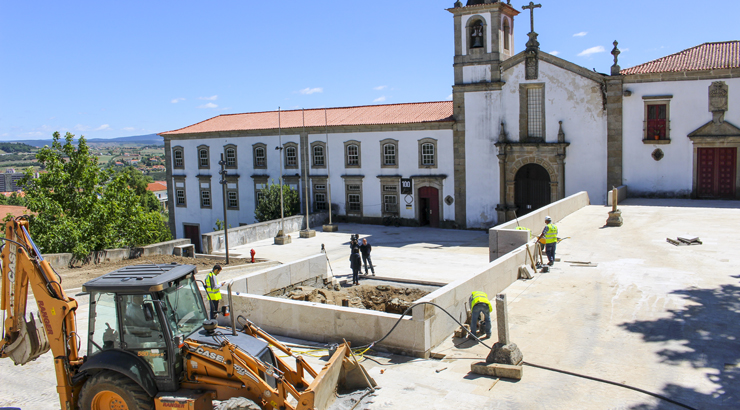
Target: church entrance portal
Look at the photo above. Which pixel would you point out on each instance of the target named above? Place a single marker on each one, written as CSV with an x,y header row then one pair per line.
x,y
716,172
531,188
429,206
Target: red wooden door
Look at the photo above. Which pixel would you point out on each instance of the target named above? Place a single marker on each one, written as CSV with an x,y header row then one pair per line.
x,y
429,197
717,171
192,232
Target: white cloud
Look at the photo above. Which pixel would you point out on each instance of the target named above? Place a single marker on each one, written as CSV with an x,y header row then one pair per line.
x,y
380,87
4,135
209,105
177,100
379,99
449,97
128,128
80,127
102,127
625,50
212,98
554,52
309,91
581,34
592,50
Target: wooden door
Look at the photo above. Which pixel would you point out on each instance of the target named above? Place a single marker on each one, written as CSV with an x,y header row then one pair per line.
x,y
429,209
716,172
192,232
531,188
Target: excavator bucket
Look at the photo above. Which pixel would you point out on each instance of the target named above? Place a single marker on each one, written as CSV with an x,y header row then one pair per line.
x,y
340,371
31,343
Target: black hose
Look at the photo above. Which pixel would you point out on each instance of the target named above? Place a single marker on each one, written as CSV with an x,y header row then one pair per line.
x,y
596,379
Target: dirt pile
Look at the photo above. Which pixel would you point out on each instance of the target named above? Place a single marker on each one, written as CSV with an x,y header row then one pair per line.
x,y
383,298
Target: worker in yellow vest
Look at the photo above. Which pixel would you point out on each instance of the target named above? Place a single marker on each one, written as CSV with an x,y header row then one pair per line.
x,y
213,289
479,303
550,233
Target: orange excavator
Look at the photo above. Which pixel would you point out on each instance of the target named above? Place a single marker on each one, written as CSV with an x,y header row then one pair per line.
x,y
149,342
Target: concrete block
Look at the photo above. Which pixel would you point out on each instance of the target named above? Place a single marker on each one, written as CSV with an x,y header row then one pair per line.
x,y
525,272
498,370
330,228
282,240
307,233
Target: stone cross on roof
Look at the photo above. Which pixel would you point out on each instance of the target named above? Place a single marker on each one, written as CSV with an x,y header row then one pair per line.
x,y
531,8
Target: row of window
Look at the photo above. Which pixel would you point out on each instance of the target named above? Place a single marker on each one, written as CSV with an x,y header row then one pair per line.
x,y
353,190
352,155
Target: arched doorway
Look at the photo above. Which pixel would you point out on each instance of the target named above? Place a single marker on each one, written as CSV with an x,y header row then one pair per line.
x,y
429,206
531,188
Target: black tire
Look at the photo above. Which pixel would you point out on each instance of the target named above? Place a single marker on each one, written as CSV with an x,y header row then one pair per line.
x,y
131,393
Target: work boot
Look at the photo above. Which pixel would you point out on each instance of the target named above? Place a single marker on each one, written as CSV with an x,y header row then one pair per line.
x,y
551,263
373,272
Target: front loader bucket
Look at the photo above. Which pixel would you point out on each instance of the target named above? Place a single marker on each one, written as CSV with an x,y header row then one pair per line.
x,y
31,343
340,371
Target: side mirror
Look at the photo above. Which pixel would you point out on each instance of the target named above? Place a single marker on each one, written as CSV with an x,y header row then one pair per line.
x,y
148,312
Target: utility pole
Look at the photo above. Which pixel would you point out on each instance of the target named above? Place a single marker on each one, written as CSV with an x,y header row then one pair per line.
x,y
306,233
223,173
330,227
281,238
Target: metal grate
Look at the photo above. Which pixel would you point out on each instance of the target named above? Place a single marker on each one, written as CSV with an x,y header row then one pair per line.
x,y
534,113
320,201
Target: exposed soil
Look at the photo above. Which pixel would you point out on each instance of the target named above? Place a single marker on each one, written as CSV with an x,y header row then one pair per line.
x,y
74,277
383,298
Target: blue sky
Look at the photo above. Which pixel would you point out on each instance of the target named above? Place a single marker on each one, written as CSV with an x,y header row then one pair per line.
x,y
107,69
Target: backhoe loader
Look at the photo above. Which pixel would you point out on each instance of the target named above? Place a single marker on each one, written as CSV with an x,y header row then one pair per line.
x,y
149,342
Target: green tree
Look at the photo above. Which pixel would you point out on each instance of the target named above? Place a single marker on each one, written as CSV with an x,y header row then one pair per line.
x,y
15,199
268,207
139,183
81,208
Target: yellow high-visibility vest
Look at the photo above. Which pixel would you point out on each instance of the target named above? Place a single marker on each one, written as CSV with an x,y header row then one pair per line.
x,y
552,234
481,297
213,293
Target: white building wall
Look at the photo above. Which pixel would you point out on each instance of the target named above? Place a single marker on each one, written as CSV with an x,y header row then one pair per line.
x,y
578,102
688,110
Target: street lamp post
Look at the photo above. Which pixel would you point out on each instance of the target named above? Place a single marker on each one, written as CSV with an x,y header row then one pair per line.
x,y
281,238
223,182
330,227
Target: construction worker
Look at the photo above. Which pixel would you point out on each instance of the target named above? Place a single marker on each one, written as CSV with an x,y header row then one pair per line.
x,y
479,303
550,233
213,289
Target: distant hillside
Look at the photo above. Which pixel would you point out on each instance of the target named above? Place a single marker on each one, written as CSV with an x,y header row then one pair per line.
x,y
150,139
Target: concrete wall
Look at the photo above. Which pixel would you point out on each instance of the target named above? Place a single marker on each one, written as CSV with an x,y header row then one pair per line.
x,y
267,280
672,176
504,238
115,255
214,241
621,195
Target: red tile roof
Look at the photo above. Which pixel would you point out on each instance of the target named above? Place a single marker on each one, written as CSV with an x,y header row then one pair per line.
x,y
411,113
156,186
14,210
708,56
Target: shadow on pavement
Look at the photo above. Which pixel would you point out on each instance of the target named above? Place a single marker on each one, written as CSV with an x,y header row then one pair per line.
x,y
706,335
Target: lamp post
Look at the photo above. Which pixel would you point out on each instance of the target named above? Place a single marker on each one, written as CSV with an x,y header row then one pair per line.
x,y
223,173
330,227
281,238
308,232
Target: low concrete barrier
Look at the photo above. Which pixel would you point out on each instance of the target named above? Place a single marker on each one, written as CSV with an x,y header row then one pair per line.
x,y
116,255
214,241
504,238
621,195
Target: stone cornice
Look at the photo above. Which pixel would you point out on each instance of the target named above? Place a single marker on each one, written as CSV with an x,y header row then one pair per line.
x,y
344,129
556,61
683,76
465,10
474,87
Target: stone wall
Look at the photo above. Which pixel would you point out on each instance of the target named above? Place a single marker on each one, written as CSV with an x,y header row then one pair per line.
x,y
116,255
214,241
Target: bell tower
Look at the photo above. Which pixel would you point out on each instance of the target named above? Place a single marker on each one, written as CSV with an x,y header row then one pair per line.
x,y
484,37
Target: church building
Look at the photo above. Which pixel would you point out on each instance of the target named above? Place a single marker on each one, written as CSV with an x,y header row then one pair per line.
x,y
522,130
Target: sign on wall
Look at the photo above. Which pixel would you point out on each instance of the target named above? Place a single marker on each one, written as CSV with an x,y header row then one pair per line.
x,y
406,186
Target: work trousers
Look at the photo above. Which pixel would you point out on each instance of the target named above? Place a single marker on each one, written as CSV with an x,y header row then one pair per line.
x,y
477,310
214,307
356,276
550,251
367,261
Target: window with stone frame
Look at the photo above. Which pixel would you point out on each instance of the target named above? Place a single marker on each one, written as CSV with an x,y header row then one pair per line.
x,y
657,123
203,157
178,158
318,154
352,154
506,32
389,153
180,192
205,192
260,155
428,153
232,193
230,156
260,183
389,193
291,155
353,189
532,112
319,197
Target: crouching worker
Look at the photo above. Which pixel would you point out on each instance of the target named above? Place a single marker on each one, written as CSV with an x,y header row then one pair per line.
x,y
479,303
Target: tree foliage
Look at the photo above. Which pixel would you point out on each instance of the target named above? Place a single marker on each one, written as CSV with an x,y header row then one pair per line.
x,y
81,208
268,207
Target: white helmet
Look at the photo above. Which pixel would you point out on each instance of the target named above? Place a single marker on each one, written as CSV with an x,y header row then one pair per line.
x,y
547,218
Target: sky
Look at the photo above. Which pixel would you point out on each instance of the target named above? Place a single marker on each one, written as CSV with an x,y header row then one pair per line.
x,y
106,69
